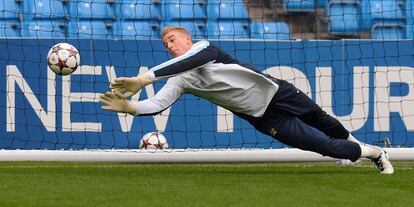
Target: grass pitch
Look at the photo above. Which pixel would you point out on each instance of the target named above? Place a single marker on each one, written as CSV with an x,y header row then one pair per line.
x,y
276,184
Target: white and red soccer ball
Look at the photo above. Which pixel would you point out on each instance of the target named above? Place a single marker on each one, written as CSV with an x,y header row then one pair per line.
x,y
63,59
153,140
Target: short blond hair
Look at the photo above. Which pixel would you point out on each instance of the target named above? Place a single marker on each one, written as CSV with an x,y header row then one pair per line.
x,y
168,29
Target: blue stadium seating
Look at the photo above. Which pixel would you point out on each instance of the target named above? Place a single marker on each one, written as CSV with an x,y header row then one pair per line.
x,y
140,9
388,31
227,29
183,9
45,9
216,19
226,9
343,17
269,30
9,9
93,9
137,30
44,28
299,5
10,28
197,29
98,29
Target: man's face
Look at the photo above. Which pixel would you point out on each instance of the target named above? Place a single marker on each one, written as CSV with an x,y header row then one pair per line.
x,y
177,43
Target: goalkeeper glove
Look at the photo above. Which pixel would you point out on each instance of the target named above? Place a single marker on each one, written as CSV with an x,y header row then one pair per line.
x,y
127,87
115,103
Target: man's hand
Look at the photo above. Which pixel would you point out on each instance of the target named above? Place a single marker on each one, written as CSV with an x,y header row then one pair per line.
x,y
115,103
127,87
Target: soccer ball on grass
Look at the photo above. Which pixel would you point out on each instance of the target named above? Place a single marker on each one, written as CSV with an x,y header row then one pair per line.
x,y
153,140
63,59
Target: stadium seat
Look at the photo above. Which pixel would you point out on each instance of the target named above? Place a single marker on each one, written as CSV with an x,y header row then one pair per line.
x,y
90,29
197,29
140,9
137,30
183,9
343,17
44,28
373,10
269,30
9,9
226,9
227,29
45,9
386,9
93,9
299,5
387,19
10,28
388,31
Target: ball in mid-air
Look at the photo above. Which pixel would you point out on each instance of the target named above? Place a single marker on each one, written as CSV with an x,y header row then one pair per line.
x,y
63,59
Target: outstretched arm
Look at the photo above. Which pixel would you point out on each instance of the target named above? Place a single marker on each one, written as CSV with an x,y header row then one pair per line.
x,y
165,97
154,105
200,54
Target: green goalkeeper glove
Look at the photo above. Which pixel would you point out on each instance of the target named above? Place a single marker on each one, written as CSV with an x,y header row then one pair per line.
x,y
115,103
127,87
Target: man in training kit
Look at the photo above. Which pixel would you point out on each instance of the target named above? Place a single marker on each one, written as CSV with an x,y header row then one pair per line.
x,y
273,106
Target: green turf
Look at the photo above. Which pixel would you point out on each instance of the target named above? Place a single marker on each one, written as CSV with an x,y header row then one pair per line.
x,y
108,184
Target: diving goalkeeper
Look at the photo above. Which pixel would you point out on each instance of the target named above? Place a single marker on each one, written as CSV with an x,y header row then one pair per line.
x,y
273,106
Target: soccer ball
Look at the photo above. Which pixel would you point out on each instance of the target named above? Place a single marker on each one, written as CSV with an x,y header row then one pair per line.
x,y
63,59
153,140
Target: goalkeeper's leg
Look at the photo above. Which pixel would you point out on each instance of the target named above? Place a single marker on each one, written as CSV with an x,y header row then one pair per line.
x,y
327,135
325,123
333,128
291,130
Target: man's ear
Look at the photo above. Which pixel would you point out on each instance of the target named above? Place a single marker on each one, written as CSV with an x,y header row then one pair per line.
x,y
189,40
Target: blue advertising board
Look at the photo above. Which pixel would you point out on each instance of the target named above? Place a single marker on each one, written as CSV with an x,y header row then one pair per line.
x,y
367,84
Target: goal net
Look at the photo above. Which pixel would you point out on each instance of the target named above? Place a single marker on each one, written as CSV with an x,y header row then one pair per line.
x,y
354,58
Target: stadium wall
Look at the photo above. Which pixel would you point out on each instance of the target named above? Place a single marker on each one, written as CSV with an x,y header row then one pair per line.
x,y
367,84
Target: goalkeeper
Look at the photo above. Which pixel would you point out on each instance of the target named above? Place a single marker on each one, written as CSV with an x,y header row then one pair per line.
x,y
273,106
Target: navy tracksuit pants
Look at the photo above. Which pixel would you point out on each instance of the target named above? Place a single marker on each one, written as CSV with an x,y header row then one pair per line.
x,y
294,119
